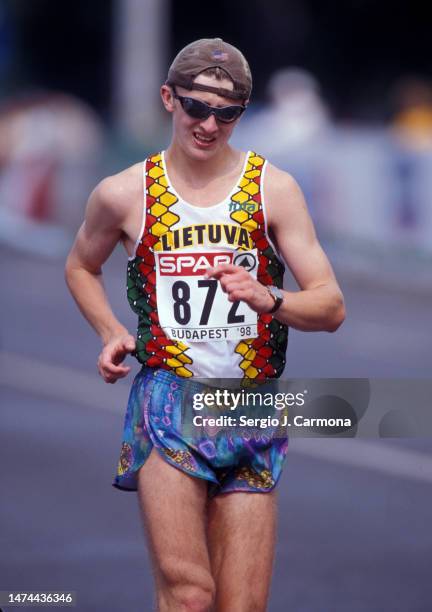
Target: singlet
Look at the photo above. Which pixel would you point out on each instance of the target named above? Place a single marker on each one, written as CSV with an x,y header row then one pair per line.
x,y
185,322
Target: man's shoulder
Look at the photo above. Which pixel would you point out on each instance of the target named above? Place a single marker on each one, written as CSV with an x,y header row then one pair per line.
x,y
279,183
121,186
117,193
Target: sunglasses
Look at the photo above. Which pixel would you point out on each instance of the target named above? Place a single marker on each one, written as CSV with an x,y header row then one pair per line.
x,y
200,110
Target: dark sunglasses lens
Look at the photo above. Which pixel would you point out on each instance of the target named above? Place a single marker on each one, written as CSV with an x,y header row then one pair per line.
x,y
229,113
195,108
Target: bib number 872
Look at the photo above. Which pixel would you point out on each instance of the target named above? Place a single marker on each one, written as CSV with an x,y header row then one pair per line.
x,y
182,309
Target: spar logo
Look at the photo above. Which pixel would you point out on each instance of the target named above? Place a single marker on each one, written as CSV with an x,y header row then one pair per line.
x,y
190,264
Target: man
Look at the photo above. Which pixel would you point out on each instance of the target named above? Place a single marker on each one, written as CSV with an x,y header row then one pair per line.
x,y
204,276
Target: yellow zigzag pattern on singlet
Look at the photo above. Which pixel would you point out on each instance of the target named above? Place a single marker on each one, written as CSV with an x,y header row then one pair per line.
x,y
160,209
248,188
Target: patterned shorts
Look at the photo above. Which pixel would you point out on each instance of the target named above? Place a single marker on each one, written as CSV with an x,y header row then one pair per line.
x,y
228,462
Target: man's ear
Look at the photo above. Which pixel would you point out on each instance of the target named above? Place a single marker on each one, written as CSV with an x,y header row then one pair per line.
x,y
167,98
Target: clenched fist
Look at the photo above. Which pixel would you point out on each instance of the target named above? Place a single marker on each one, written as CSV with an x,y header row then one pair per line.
x,y
112,356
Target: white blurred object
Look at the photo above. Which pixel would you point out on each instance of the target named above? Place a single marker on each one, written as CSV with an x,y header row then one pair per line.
x,y
52,124
297,110
48,148
295,118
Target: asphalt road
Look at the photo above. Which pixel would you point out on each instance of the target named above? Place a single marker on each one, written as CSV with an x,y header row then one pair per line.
x,y
353,535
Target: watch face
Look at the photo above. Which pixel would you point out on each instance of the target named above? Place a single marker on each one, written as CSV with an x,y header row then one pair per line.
x,y
277,296
276,292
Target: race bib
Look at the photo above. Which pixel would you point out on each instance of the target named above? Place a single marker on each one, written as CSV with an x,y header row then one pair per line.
x,y
192,308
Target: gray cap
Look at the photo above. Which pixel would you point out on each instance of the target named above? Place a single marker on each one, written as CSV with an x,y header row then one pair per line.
x,y
211,53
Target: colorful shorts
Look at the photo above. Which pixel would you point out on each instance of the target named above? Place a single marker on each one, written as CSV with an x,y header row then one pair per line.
x,y
229,462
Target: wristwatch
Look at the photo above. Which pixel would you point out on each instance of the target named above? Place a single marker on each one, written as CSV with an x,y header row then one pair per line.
x,y
277,295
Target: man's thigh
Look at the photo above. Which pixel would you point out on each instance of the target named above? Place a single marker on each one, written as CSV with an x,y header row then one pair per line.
x,y
241,539
173,508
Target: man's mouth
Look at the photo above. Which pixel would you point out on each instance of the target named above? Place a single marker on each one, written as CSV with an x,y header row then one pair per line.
x,y
202,139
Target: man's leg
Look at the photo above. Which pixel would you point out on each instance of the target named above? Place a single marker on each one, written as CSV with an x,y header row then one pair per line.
x,y
173,505
241,539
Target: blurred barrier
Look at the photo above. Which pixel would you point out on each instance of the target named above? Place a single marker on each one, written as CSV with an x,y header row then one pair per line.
x,y
42,203
366,191
360,185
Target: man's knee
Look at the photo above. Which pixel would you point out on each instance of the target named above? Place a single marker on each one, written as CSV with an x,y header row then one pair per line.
x,y
187,598
189,586
193,598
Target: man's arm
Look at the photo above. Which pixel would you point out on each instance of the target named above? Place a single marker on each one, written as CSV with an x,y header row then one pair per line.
x,y
319,305
106,215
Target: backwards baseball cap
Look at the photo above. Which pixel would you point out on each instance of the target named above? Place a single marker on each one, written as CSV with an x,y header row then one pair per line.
x,y
211,53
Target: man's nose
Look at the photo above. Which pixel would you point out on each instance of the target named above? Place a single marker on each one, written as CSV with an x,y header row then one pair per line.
x,y
210,124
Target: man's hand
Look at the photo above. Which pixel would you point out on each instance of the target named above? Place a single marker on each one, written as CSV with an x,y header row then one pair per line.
x,y
240,285
112,355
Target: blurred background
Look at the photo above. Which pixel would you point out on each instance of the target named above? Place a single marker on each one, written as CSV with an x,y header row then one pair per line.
x,y
342,100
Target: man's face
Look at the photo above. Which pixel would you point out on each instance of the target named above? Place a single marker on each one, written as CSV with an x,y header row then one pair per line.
x,y
200,139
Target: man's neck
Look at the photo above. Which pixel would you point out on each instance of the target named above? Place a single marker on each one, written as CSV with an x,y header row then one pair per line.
x,y
202,171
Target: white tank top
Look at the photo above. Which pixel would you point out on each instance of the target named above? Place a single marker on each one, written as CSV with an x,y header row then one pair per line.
x,y
186,323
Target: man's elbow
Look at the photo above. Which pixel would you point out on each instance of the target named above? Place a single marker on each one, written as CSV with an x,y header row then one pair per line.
x,y
337,315
73,271
68,270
